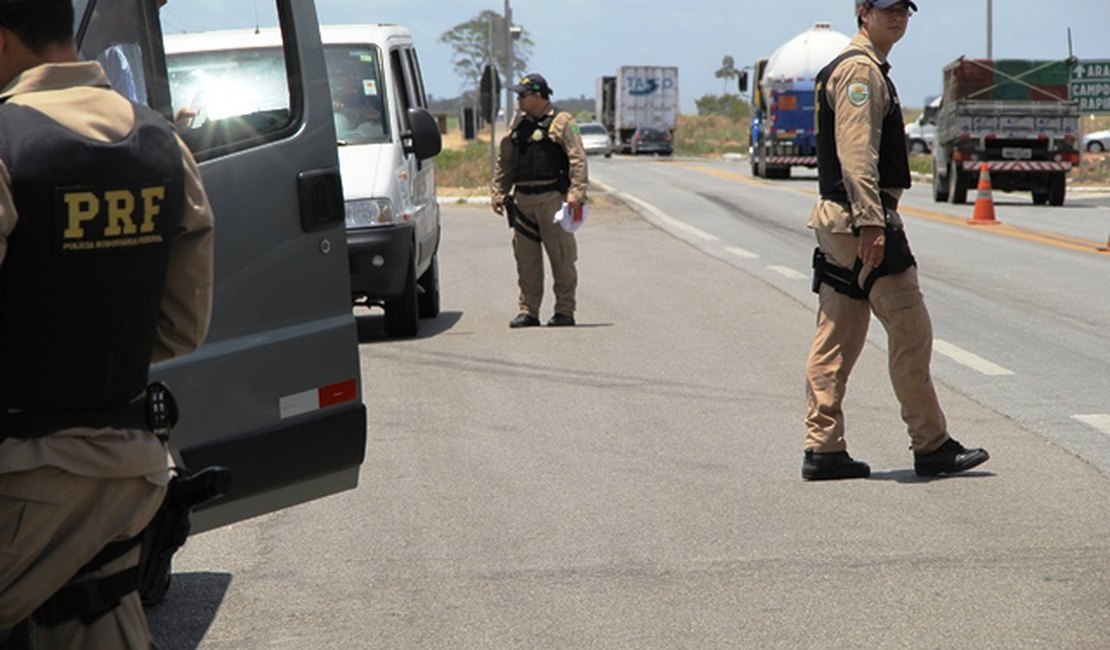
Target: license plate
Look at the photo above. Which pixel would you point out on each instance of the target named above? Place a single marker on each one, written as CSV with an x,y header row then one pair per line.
x,y
1017,153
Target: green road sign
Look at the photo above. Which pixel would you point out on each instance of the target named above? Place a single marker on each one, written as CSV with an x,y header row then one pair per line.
x,y
1090,86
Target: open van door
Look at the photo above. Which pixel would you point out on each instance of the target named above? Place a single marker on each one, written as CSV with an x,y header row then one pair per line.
x,y
274,394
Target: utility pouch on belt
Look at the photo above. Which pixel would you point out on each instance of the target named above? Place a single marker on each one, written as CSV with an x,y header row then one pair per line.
x,y
161,410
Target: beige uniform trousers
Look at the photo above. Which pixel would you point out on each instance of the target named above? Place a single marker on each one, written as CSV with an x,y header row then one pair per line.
x,y
562,251
842,324
52,523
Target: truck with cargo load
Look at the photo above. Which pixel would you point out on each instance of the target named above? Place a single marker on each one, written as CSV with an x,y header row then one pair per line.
x,y
1012,115
638,97
783,101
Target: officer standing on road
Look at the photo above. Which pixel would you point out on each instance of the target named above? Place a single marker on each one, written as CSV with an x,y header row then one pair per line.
x,y
541,165
105,267
863,261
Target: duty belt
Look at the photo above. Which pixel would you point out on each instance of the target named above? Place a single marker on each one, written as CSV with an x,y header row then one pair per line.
x,y
888,201
155,411
35,424
553,186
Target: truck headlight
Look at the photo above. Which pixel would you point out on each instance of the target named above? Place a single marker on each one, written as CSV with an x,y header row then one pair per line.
x,y
366,213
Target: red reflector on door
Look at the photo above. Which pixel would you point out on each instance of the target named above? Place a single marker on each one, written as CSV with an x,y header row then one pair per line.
x,y
344,391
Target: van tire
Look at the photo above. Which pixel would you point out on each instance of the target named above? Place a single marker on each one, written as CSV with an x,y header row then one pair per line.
x,y
402,317
429,290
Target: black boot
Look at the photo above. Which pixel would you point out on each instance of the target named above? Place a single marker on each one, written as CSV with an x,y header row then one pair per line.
x,y
818,466
949,458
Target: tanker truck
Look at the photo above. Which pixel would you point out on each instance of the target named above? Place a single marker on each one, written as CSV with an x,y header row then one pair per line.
x,y
783,102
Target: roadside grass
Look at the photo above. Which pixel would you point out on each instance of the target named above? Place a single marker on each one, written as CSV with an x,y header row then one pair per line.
x,y
463,168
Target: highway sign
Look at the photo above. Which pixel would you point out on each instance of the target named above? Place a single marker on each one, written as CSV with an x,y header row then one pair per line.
x,y
1090,86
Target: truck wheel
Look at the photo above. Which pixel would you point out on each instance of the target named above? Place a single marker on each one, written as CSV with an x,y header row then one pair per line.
x,y
755,169
402,317
957,186
940,186
1057,189
429,290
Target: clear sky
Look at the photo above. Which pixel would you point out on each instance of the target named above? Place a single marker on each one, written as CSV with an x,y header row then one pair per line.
x,y
577,41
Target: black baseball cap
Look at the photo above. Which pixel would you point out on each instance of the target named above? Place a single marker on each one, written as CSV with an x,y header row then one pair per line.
x,y
531,83
883,4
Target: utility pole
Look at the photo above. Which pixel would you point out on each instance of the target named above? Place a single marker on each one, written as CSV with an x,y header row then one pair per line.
x,y
510,79
990,53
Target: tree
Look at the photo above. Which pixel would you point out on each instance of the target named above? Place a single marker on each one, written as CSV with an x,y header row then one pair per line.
x,y
731,106
470,42
727,71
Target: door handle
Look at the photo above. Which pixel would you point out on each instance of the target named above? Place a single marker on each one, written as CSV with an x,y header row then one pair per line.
x,y
321,197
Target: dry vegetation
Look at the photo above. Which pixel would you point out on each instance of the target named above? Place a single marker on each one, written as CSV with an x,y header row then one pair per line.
x,y
463,169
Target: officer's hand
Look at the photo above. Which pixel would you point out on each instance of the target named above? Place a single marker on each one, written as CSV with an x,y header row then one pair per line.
x,y
872,245
498,207
573,205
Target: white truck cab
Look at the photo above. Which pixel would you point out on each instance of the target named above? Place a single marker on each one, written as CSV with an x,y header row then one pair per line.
x,y
385,137
921,132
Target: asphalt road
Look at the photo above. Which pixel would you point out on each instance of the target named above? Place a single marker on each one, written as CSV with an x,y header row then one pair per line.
x,y
633,482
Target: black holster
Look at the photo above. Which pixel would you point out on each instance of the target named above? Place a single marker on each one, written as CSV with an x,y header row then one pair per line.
x,y
897,257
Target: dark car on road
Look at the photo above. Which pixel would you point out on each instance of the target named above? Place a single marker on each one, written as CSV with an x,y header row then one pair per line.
x,y
648,140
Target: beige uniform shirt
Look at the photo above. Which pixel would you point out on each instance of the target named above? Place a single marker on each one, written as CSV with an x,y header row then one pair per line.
x,y
563,131
77,96
858,93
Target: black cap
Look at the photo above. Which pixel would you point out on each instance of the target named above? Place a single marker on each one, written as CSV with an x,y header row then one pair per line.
x,y
531,83
883,4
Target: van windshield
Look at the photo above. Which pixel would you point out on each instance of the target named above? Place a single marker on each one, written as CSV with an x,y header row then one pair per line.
x,y
357,93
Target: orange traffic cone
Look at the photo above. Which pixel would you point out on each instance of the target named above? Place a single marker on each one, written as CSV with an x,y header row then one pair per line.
x,y
984,202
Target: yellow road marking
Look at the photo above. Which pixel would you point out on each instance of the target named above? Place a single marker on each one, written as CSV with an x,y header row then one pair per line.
x,y
1006,230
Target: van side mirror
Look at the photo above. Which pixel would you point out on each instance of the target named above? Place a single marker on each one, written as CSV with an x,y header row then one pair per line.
x,y
423,139
742,81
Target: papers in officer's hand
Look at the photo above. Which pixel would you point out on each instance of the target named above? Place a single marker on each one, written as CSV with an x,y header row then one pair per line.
x,y
571,220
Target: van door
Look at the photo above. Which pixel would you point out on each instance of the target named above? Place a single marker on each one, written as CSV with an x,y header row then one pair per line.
x,y
421,194
274,394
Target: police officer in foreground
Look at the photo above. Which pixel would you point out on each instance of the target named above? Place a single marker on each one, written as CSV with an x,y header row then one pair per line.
x,y
105,267
541,165
863,262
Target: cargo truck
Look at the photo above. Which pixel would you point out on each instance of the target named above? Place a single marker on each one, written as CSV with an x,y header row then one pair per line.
x,y
638,97
1015,116
782,133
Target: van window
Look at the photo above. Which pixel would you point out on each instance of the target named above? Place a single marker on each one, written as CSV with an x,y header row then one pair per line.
x,y
358,95
417,79
232,95
404,95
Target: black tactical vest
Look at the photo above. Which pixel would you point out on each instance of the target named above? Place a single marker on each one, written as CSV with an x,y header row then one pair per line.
x,y
894,162
82,281
538,157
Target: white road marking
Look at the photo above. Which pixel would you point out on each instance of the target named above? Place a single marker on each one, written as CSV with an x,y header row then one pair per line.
x,y
1100,421
666,218
740,252
788,272
971,360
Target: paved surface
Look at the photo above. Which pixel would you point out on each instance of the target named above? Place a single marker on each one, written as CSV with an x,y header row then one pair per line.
x,y
634,483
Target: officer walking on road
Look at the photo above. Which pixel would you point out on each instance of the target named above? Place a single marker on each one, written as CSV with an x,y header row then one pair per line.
x,y
105,267
863,262
541,165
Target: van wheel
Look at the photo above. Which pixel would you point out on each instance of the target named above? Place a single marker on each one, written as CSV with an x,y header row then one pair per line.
x,y
402,314
429,290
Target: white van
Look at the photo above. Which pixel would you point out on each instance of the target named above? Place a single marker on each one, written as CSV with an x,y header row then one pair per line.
x,y
386,140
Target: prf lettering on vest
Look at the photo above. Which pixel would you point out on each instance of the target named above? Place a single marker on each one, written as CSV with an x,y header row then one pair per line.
x,y
97,220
